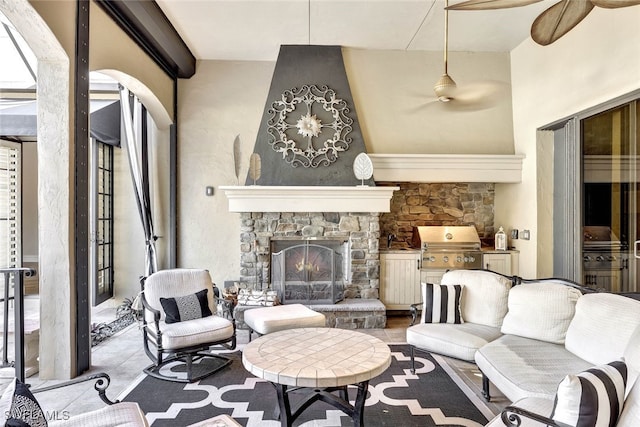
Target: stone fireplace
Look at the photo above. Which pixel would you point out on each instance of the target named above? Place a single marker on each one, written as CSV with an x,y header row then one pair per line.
x,y
350,215
356,235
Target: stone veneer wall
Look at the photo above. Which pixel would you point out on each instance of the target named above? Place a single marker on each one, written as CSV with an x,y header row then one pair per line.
x,y
362,230
418,204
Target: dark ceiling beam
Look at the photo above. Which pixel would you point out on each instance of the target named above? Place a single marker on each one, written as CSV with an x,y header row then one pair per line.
x,y
144,22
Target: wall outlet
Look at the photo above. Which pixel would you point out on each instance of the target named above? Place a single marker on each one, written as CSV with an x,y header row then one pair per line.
x,y
525,235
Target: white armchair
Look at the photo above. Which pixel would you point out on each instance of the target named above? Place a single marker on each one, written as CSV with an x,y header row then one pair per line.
x,y
180,325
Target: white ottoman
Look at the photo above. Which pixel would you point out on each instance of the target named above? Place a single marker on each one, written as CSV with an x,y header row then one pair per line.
x,y
265,320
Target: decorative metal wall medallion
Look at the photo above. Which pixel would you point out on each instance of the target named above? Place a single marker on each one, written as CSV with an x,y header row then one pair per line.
x,y
313,114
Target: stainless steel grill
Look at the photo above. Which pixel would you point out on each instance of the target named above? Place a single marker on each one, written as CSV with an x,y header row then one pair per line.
x,y
448,247
605,259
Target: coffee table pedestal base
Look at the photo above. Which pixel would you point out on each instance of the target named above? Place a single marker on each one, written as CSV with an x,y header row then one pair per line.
x,y
340,401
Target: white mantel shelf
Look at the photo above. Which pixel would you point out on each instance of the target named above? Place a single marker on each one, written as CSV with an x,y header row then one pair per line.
x,y
498,168
258,198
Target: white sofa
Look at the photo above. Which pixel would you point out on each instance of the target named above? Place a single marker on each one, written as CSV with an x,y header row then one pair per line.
x,y
536,411
530,366
535,334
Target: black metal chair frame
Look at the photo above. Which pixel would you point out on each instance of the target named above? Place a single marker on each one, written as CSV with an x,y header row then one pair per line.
x,y
188,355
512,416
102,381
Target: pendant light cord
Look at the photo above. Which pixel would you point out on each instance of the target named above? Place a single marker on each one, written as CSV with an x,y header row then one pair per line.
x,y
309,22
446,35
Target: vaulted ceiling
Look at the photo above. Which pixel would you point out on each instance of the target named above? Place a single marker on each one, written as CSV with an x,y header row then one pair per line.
x,y
254,30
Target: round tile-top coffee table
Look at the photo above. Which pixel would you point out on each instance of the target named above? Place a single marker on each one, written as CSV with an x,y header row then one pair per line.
x,y
322,359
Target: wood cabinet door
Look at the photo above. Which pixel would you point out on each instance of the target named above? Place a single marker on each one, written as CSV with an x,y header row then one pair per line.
x,y
500,263
399,280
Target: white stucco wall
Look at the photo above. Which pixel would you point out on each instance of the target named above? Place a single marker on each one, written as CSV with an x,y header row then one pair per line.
x,y
226,99
595,62
129,242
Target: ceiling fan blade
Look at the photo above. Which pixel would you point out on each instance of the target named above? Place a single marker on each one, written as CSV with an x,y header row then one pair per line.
x,y
490,4
421,107
477,96
469,97
614,4
558,20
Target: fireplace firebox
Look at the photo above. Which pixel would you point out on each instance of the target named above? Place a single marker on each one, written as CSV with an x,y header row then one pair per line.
x,y
309,271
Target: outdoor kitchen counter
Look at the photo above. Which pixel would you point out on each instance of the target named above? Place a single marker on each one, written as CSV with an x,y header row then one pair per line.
x,y
489,250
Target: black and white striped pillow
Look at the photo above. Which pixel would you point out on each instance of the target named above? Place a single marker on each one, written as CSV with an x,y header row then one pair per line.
x,y
441,303
592,398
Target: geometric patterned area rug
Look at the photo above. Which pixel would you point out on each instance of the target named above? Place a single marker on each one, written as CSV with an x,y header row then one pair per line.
x,y
434,396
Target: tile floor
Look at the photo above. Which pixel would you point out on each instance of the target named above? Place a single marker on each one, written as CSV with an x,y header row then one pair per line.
x,y
122,357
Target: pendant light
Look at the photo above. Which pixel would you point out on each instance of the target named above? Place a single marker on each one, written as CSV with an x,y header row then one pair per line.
x,y
445,86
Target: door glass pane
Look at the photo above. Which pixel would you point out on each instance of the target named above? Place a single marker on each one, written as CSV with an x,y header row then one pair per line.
x,y
609,168
10,205
103,224
100,257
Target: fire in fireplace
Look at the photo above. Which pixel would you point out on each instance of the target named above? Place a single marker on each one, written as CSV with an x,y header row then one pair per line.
x,y
309,271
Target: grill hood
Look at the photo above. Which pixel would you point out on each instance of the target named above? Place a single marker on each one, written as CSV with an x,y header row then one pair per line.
x,y
449,237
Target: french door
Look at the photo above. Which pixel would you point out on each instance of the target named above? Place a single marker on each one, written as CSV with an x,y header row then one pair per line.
x,y
101,232
610,205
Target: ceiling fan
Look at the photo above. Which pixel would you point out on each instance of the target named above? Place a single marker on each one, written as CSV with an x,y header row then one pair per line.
x,y
474,96
554,22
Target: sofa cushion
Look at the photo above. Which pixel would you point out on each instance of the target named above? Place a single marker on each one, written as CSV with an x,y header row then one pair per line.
x,y
540,310
460,341
630,416
602,326
632,359
441,303
592,398
484,300
193,332
123,414
522,367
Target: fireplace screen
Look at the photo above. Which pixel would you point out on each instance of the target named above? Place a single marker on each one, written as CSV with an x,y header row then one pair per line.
x,y
308,272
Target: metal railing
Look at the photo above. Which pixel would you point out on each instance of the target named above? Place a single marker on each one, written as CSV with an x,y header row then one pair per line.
x,y
18,299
